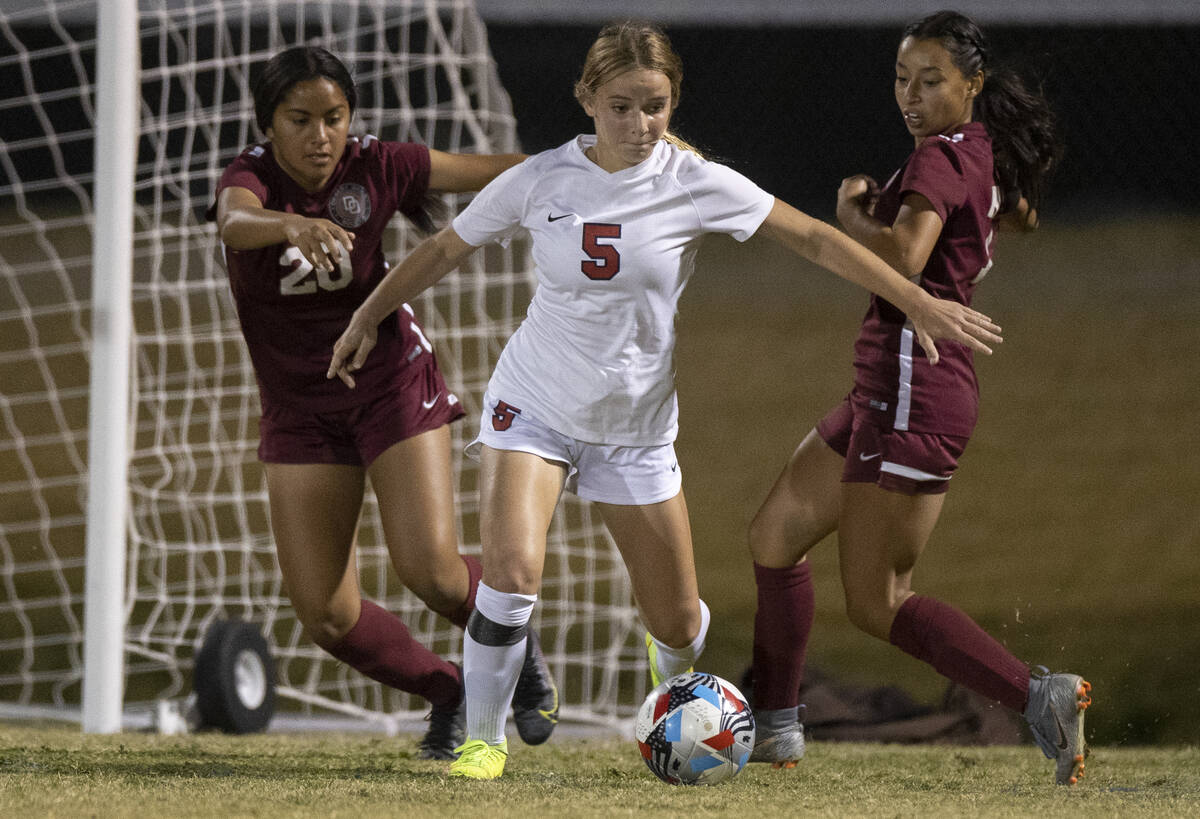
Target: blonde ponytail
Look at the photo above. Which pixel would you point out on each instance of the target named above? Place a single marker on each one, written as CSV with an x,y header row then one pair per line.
x,y
682,144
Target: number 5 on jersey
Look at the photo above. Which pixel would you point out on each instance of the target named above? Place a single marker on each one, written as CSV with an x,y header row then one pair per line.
x,y
604,261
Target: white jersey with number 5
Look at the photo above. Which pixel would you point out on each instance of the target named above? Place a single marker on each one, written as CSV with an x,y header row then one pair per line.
x,y
593,358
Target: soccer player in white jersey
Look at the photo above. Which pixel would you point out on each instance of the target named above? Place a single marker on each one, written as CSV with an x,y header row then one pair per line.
x,y
583,395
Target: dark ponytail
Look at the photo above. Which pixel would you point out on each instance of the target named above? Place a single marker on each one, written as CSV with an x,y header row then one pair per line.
x,y
1025,141
1022,127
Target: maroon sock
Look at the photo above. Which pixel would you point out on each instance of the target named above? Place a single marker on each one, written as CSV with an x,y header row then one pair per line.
x,y
781,627
958,649
460,615
381,647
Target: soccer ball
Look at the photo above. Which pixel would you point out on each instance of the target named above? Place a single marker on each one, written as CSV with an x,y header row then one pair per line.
x,y
695,729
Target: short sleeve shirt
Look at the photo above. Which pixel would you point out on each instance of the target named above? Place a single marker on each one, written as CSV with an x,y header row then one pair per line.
x,y
593,358
893,374
290,314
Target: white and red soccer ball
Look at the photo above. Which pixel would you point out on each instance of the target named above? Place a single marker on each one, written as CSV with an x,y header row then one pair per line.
x,y
695,729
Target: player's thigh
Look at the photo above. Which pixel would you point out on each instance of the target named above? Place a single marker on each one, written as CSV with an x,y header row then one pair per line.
x,y
881,534
802,507
314,515
518,494
655,541
414,483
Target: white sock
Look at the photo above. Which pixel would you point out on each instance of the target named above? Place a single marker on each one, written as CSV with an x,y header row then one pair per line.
x,y
493,653
672,661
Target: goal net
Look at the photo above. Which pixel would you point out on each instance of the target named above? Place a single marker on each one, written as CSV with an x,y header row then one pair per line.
x,y
199,548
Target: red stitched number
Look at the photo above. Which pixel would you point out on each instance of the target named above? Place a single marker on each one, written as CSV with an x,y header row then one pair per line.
x,y
605,261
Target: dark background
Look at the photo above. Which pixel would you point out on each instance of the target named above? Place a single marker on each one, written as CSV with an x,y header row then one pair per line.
x,y
797,110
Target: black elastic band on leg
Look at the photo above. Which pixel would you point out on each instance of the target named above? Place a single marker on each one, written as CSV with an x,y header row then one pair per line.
x,y
490,633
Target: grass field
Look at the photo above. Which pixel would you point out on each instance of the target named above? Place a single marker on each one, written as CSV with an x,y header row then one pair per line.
x,y
53,771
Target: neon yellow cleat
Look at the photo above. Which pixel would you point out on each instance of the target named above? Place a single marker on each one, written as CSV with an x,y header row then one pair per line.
x,y
479,760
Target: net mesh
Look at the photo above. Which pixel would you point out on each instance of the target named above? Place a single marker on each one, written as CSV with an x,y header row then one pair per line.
x,y
199,544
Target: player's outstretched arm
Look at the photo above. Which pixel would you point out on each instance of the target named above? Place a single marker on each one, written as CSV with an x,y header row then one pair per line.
x,y
932,318
244,224
467,172
424,267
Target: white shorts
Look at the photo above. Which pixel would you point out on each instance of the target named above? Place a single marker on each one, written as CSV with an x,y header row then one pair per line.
x,y
605,473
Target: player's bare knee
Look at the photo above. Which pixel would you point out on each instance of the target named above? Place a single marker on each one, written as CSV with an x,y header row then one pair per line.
x,y
783,531
868,614
327,628
764,535
514,579
442,593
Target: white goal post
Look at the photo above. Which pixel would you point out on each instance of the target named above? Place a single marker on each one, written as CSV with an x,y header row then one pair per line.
x,y
172,489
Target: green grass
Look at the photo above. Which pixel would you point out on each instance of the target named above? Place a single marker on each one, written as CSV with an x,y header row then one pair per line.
x,y
53,770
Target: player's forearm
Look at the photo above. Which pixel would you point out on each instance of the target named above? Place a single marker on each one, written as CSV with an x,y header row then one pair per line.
x,y
424,267
825,245
252,228
854,262
877,238
467,172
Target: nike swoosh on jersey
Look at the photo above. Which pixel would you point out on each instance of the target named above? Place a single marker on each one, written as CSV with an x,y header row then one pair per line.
x,y
865,457
429,404
550,218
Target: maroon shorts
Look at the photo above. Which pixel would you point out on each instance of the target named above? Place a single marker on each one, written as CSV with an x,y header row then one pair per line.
x,y
913,463
358,435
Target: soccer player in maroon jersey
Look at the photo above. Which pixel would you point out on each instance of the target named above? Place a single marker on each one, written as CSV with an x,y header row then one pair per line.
x,y
876,468
302,217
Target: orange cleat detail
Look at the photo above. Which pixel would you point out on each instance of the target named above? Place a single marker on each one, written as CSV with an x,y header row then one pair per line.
x,y
1085,694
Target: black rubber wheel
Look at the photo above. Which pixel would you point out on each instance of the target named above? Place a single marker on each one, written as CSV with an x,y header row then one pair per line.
x,y
234,679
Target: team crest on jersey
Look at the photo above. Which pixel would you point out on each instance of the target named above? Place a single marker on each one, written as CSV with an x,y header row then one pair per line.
x,y
350,205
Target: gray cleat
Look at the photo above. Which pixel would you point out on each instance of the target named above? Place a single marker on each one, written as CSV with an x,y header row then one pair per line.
x,y
779,737
1055,716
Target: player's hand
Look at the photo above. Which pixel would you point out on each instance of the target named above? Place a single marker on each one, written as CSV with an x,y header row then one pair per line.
x,y
860,192
351,350
948,320
320,241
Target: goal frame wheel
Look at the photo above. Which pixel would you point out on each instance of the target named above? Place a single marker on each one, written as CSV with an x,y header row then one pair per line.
x,y
234,679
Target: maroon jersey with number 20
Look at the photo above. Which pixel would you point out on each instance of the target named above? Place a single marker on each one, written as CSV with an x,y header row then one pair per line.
x,y
892,374
291,314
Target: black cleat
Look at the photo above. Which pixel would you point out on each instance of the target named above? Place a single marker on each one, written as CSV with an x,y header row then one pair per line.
x,y
535,700
447,730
